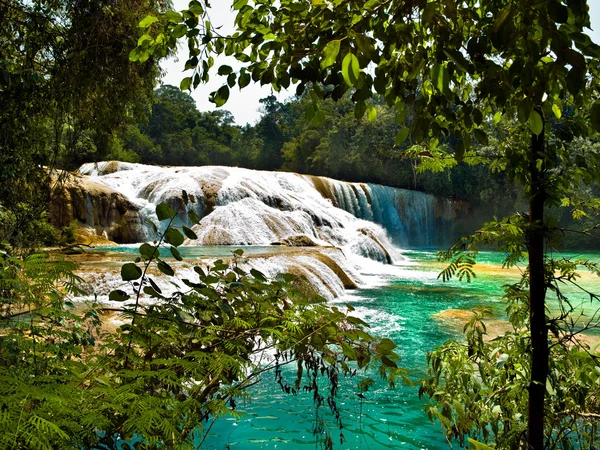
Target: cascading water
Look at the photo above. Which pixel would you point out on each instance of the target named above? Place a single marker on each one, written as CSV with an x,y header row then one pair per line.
x,y
411,218
241,206
247,207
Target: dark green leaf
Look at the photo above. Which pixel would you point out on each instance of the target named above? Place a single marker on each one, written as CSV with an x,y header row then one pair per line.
x,y
164,211
174,237
258,275
481,136
189,233
130,272
388,362
176,254
224,70
152,292
165,268
595,116
154,285
118,296
193,217
148,251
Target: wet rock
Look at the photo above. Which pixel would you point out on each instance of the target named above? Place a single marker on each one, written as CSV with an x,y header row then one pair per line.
x,y
298,241
95,207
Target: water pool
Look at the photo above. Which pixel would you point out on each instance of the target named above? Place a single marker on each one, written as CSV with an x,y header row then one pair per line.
x,y
404,310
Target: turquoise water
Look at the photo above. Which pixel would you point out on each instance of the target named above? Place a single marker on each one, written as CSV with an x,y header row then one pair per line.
x,y
222,251
402,309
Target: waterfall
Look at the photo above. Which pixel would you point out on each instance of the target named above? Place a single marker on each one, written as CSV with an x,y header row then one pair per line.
x,y
411,218
348,223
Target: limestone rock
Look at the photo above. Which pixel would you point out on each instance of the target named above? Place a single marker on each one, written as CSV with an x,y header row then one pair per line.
x,y
96,207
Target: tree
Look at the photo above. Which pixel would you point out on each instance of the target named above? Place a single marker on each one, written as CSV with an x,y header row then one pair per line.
x,y
457,65
66,85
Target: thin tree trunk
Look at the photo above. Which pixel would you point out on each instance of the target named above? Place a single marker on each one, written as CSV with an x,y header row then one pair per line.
x,y
537,294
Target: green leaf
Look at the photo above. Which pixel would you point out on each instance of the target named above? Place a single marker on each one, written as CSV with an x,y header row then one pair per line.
x,y
176,254
536,125
173,16
148,251
330,52
556,110
595,115
147,21
239,4
220,97
130,272
164,211
118,296
244,80
179,31
497,118
386,346
189,233
224,70
478,445
350,69
165,268
185,84
349,351
174,237
371,113
196,9
401,136
440,77
134,55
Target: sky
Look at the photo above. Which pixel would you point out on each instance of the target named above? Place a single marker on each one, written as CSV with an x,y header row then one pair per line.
x,y
244,104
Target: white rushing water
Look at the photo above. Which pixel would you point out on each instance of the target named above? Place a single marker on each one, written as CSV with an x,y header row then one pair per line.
x,y
248,207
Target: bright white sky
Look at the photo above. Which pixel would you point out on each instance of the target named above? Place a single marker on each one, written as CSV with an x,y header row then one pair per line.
x,y
244,104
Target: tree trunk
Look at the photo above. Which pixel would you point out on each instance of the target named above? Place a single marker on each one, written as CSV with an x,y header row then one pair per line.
x,y
537,294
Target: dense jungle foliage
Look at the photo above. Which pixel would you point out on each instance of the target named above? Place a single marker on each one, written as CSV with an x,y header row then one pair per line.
x,y
76,85
339,146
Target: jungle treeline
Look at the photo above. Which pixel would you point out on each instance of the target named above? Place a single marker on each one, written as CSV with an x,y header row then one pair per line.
x,y
172,131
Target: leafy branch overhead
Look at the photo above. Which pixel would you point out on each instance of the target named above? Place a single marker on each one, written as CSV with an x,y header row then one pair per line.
x,y
454,64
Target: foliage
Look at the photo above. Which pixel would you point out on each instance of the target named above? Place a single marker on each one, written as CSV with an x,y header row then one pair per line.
x,y
66,84
181,359
479,388
456,65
